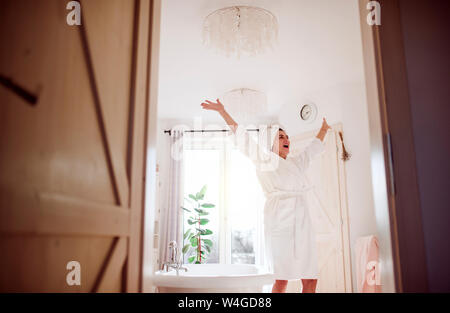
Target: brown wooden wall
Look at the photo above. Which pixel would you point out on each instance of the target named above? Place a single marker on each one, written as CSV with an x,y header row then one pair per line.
x,y
72,164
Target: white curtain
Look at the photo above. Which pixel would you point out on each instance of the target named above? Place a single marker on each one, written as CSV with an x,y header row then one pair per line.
x,y
171,214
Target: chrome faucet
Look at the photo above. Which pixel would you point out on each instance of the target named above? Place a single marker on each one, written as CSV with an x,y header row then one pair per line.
x,y
175,261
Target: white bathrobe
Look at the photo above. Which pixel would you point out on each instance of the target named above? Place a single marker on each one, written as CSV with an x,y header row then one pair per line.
x,y
289,235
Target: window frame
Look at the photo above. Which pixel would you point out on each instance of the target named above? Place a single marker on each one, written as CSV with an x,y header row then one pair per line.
x,y
225,148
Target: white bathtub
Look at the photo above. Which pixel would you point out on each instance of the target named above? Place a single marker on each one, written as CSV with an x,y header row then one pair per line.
x,y
210,278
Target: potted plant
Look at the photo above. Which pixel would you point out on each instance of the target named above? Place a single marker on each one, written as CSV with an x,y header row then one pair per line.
x,y
197,247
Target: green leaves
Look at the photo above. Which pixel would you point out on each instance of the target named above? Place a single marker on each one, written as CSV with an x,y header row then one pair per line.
x,y
201,212
204,232
208,242
193,236
201,194
202,221
186,234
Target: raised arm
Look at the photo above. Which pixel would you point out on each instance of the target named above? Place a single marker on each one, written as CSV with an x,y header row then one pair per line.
x,y
218,106
316,147
244,142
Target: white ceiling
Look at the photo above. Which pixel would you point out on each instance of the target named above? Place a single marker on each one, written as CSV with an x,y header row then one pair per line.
x,y
319,41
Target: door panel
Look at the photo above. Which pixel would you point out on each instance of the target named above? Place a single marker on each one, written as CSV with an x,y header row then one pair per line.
x,y
328,211
66,162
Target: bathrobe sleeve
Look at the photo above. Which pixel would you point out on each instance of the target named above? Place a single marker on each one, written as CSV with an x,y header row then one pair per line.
x,y
248,144
314,149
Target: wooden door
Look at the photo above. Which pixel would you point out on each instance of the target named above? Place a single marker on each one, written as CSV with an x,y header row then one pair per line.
x,y
72,162
395,173
329,214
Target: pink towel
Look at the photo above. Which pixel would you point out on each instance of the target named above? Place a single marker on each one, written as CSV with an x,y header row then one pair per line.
x,y
367,265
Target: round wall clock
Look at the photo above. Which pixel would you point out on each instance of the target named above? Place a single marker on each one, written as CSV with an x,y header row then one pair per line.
x,y
308,112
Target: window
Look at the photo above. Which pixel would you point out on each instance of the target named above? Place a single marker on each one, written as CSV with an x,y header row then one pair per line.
x,y
202,167
232,185
245,206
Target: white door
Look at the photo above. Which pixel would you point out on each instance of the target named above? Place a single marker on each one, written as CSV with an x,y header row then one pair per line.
x,y
329,214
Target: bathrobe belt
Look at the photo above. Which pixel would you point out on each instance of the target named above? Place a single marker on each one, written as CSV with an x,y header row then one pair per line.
x,y
298,211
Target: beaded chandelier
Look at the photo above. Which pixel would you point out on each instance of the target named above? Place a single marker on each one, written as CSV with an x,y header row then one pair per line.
x,y
240,30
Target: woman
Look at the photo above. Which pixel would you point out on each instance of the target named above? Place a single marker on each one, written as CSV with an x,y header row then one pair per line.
x,y
289,236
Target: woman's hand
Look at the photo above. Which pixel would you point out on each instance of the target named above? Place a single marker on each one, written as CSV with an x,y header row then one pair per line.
x,y
325,126
218,106
323,130
214,106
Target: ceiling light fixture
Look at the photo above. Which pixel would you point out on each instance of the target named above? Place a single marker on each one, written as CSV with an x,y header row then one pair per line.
x,y
246,105
240,30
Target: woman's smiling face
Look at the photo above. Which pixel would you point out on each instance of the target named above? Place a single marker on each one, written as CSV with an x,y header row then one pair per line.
x,y
281,144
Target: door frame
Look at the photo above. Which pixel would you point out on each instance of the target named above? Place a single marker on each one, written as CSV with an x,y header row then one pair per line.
x,y
394,173
395,189
149,257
